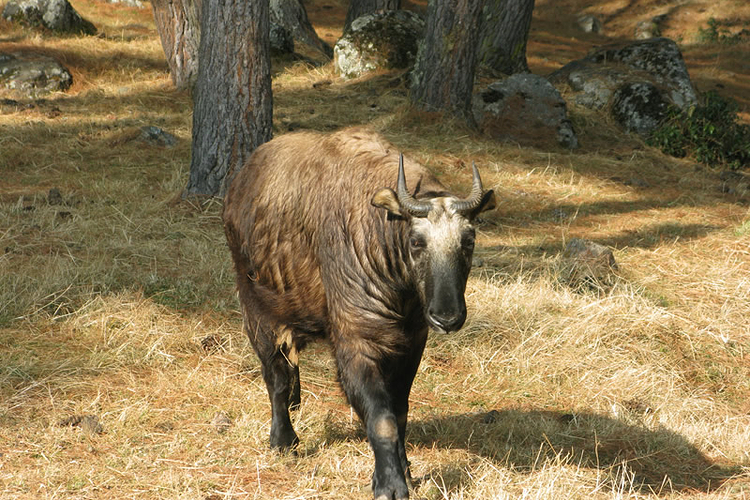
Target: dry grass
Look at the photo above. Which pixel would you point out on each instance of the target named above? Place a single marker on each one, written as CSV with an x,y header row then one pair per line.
x,y
117,300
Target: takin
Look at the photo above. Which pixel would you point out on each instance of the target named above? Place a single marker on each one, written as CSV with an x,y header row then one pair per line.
x,y
324,246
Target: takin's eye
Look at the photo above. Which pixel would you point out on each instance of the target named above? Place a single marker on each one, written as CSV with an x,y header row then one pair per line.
x,y
417,244
467,242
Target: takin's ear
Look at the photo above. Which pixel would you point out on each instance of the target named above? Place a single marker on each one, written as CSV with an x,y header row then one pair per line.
x,y
387,198
488,203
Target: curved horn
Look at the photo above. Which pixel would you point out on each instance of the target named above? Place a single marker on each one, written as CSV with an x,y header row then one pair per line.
x,y
474,198
415,207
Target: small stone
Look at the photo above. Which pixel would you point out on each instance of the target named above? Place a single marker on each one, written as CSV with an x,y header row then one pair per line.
x,y
89,424
54,197
590,24
588,262
221,422
155,135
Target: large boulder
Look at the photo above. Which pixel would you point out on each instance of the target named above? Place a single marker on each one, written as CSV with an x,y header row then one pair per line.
x,y
387,40
637,82
32,75
56,15
524,108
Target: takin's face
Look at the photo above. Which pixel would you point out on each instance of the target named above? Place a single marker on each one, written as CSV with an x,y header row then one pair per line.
x,y
440,249
440,246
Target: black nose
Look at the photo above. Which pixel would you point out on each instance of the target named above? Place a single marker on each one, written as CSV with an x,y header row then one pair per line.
x,y
447,321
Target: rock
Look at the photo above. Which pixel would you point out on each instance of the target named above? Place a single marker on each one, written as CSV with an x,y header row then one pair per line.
x,y
31,75
221,422
660,58
387,40
624,79
587,262
590,24
54,197
89,424
55,15
525,108
128,3
282,41
158,137
650,28
639,107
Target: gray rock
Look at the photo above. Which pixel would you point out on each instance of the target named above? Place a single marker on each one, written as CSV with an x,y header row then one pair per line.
x,y
89,424
525,108
587,262
590,24
32,75
128,3
660,58
639,107
55,15
387,40
627,78
221,422
650,28
155,135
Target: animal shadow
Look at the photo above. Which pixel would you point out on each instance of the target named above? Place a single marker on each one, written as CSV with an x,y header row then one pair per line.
x,y
659,460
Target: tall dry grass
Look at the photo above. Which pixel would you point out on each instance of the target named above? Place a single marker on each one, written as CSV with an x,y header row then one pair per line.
x,y
116,301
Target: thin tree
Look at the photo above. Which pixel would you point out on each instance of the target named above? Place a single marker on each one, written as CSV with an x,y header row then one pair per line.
x,y
359,8
443,74
178,24
505,31
232,110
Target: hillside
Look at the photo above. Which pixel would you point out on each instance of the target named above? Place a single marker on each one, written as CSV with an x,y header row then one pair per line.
x,y
117,298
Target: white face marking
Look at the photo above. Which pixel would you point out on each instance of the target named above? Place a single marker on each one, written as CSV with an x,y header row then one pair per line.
x,y
443,228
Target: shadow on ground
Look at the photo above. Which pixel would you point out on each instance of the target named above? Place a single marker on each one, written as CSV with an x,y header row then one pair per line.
x,y
659,460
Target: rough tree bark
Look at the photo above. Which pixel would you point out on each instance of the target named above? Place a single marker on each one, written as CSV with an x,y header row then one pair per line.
x,y
443,74
178,24
505,31
232,101
361,7
291,14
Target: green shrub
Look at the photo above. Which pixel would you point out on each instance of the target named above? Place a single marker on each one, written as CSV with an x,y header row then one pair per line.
x,y
709,132
715,33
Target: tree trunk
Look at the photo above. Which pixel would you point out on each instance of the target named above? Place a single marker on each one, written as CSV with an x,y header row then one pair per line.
x,y
505,30
178,24
443,74
232,110
291,14
361,7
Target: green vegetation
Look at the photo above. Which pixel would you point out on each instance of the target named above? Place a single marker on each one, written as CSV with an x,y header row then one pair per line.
x,y
716,33
710,132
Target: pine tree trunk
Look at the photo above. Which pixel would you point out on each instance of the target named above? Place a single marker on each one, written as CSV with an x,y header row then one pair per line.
x,y
178,24
443,74
291,14
505,30
233,103
361,7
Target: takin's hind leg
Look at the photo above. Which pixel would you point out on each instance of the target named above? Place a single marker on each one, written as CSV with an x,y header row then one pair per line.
x,y
281,374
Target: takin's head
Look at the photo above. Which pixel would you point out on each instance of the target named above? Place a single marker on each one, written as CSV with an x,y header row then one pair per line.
x,y
440,245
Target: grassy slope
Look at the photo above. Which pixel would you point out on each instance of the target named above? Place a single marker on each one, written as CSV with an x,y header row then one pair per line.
x,y
107,300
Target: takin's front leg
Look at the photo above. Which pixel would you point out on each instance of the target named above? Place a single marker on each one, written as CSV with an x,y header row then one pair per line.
x,y
365,388
401,375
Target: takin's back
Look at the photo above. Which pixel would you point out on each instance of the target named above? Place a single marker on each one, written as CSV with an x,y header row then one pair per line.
x,y
302,203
